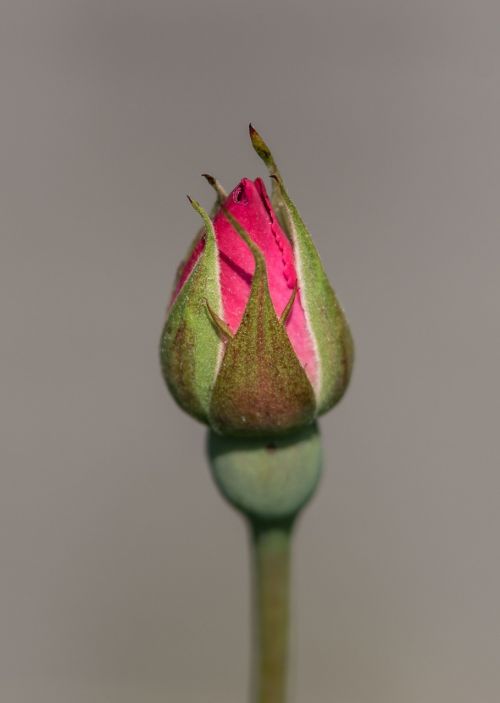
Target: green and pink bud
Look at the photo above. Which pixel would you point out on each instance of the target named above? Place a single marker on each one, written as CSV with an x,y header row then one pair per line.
x,y
255,342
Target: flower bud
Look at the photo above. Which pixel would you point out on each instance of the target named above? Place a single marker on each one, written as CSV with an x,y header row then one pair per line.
x,y
255,342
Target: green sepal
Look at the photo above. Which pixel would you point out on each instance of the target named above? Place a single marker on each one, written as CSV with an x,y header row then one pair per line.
x,y
261,388
265,154
190,346
325,317
220,196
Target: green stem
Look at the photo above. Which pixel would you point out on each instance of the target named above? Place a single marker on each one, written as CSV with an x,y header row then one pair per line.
x,y
271,553
269,481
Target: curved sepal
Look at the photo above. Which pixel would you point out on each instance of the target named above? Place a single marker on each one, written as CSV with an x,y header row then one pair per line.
x,y
326,319
261,388
190,346
265,154
220,196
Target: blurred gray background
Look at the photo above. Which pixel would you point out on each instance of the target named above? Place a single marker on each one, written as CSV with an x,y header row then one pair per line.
x,y
124,577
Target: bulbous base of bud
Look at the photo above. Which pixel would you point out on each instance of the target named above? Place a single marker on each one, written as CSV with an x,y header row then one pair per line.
x,y
267,479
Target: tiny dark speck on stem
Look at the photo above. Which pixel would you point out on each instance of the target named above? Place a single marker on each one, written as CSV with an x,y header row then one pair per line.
x,y
271,447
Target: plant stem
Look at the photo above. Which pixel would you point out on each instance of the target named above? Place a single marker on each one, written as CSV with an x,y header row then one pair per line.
x,y
271,553
269,482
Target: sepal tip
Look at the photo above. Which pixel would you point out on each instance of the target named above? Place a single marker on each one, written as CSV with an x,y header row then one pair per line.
x,y
214,183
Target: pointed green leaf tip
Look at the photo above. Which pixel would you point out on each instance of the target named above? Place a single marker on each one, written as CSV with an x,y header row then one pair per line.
x,y
326,320
261,388
190,346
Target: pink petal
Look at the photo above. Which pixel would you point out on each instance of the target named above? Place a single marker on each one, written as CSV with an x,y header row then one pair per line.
x,y
250,205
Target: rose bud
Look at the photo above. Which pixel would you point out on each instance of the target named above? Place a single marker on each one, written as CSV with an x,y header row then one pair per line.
x,y
255,342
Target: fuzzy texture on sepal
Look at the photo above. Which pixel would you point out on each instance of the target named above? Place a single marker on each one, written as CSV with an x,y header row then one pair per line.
x,y
190,346
326,320
261,388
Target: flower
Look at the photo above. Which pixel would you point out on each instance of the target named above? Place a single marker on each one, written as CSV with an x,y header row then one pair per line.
x,y
255,342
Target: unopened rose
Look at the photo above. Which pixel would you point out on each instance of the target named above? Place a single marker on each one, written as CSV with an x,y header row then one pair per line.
x,y
255,342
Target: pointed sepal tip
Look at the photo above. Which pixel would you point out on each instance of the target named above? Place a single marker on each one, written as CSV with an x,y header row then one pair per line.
x,y
262,149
